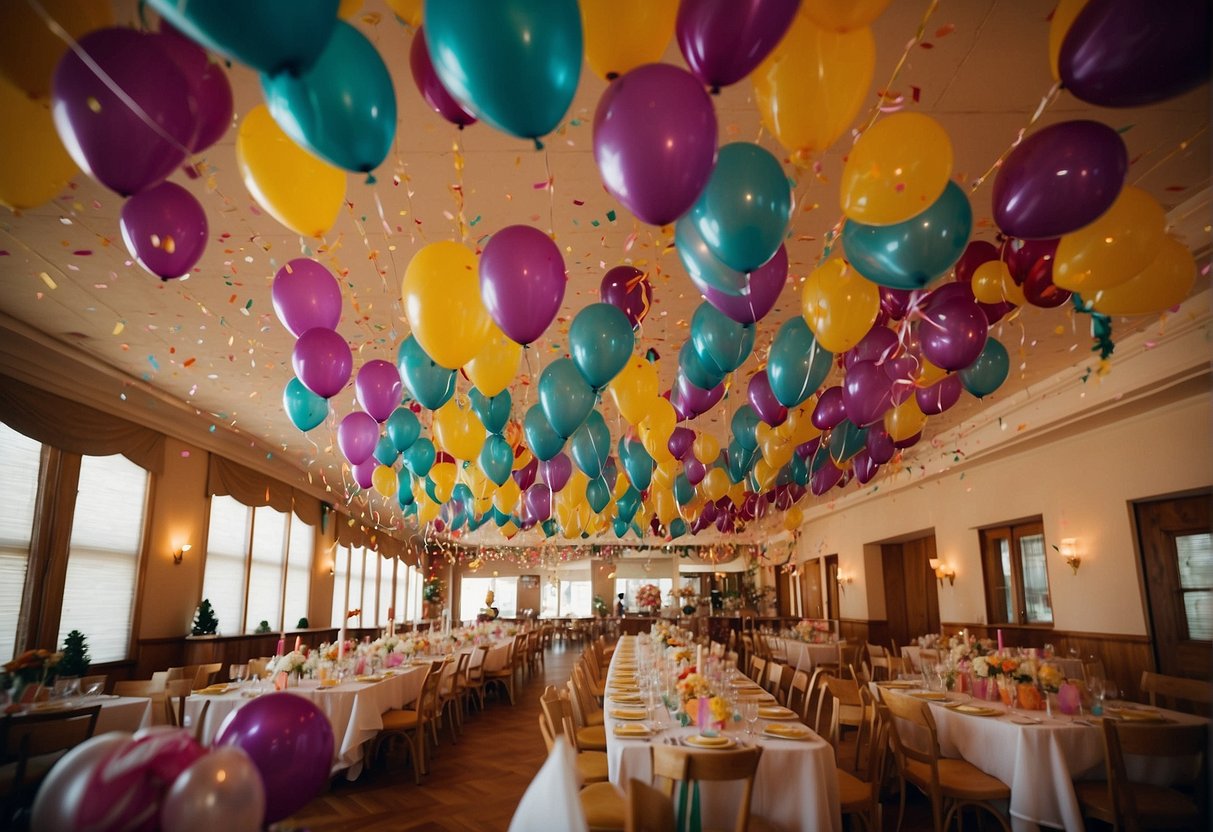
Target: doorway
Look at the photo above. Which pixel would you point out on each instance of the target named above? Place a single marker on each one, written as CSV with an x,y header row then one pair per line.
x,y
810,587
831,563
911,596
1176,547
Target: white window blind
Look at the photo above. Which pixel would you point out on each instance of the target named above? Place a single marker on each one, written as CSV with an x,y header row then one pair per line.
x,y
358,556
415,589
226,548
265,570
298,571
340,579
385,588
103,555
20,459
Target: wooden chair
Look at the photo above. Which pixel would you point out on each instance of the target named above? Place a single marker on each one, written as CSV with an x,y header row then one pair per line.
x,y
409,724
589,737
950,784
771,683
927,659
758,671
257,668
558,721
851,707
31,744
878,661
648,810
861,797
591,711
503,677
204,676
1133,806
1176,690
820,699
451,691
175,694
798,693
673,765
189,671
152,689
475,675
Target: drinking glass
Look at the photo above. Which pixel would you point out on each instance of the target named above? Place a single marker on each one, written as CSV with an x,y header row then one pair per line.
x,y
749,712
237,672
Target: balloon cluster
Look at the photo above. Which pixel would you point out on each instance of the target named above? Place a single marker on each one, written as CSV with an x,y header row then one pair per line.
x,y
268,760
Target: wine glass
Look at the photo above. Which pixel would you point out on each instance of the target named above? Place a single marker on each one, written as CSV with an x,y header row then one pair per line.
x,y
749,712
237,672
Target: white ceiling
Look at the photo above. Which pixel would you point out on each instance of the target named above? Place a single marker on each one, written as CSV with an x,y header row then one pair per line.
x,y
213,342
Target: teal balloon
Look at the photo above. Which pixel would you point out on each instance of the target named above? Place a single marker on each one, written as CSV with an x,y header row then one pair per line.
x,y
696,370
701,264
678,527
496,458
621,527
476,522
740,461
637,463
820,457
462,493
499,517
565,397
799,469
590,445
419,459
385,451
601,341
267,35
514,64
404,494
846,440
543,441
549,527
597,494
684,492
403,428
721,343
304,408
910,254
628,504
784,477
797,365
494,411
988,372
431,488
745,427
410,510
744,211
343,107
431,384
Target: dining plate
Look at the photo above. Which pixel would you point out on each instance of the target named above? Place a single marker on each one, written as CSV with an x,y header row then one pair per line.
x,y
213,690
1136,715
976,710
632,729
629,713
627,698
700,741
775,712
897,685
787,732
368,678
930,695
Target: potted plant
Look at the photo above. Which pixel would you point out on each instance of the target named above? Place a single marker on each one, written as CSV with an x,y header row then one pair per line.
x,y
205,622
74,659
433,593
262,627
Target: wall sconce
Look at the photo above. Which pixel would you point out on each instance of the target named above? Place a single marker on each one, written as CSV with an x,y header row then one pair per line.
x,y
180,553
1068,549
942,570
843,580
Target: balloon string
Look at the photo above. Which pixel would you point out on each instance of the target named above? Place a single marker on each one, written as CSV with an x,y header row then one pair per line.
x,y
1182,146
1045,103
457,188
551,186
919,34
104,77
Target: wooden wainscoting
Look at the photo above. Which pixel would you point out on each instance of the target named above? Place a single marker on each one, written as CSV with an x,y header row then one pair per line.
x,y
860,631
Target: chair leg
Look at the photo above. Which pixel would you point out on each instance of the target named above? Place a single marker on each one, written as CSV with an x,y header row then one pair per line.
x,y
901,809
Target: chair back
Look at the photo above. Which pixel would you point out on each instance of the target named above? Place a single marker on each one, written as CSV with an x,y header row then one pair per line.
x,y
798,694
40,733
1158,742
774,672
475,672
672,765
584,700
927,659
648,810
758,670
205,674
175,694
257,668
915,712
1176,690
551,711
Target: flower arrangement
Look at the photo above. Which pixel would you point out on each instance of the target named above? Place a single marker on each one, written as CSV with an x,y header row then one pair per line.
x,y
1050,676
684,592
732,602
434,590
32,667
648,597
692,685
293,662
813,631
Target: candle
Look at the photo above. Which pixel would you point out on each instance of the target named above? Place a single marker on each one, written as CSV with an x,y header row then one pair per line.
x,y
341,644
1000,641
298,643
281,647
699,658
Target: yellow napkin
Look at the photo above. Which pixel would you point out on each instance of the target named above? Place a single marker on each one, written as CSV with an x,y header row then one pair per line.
x,y
708,742
214,690
629,713
976,710
787,732
775,712
632,729
369,678
627,698
1137,715
930,695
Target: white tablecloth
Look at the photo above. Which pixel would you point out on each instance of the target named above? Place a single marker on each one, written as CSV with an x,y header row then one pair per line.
x,y
118,713
795,788
805,656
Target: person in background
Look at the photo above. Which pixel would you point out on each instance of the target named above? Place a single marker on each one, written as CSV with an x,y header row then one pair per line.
x,y
620,608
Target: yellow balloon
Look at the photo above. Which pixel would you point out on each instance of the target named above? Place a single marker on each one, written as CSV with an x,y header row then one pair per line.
x,y
409,11
764,474
507,496
989,280
634,389
896,170
666,507
33,164
777,451
623,34
301,191
715,485
813,84
799,427
508,530
1161,285
792,518
482,504
383,479
495,366
737,493
30,51
427,510
441,293
706,448
621,486
655,430
843,15
458,430
481,486
523,459
905,420
839,305
1063,17
928,373
1114,248
665,472
348,8
443,475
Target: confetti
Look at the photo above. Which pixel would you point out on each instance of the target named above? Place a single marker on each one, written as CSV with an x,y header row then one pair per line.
x,y
46,278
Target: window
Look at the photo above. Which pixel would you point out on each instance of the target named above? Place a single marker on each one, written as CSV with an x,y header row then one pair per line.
x,y
628,587
472,592
1195,556
415,590
103,555
226,546
20,461
298,571
265,569
385,591
575,599
1016,577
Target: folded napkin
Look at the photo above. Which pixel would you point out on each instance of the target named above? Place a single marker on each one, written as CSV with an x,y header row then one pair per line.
x,y
708,742
1137,715
774,712
629,713
632,729
787,732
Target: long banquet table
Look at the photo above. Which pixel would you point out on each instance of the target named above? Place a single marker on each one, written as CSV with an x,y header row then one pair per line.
x,y
795,787
118,713
803,655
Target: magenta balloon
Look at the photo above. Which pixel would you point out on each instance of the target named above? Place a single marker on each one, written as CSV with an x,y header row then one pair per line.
x,y
867,392
306,295
125,149
132,781
696,398
939,396
865,467
628,288
1022,256
165,229
908,443
290,741
975,254
952,333
805,450
525,476
895,303
695,470
763,288
556,471
879,344
724,522
709,511
680,442
356,436
322,361
948,291
210,90
683,411
830,409
378,388
655,141
538,501
1059,179
824,478
724,42
61,795
1039,289
878,445
762,397
901,372
431,88
522,281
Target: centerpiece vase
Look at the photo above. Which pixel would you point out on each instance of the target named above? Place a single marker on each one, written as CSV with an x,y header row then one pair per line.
x,y
1029,697
1006,690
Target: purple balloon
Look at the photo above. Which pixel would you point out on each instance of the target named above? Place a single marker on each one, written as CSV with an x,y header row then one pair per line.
x,y
1131,53
109,140
628,288
522,280
356,436
901,372
878,445
762,397
695,470
165,229
681,409
680,442
210,90
538,502
939,396
805,450
378,388
908,443
867,392
865,467
556,471
290,741
824,478
764,286
952,333
696,398
976,253
306,295
322,361
709,512
655,141
895,303
525,476
431,88
879,344
949,291
724,42
830,409
1059,180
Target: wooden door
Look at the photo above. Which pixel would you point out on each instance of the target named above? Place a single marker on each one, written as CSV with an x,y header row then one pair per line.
x,y
783,593
831,586
810,580
910,589
1177,564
